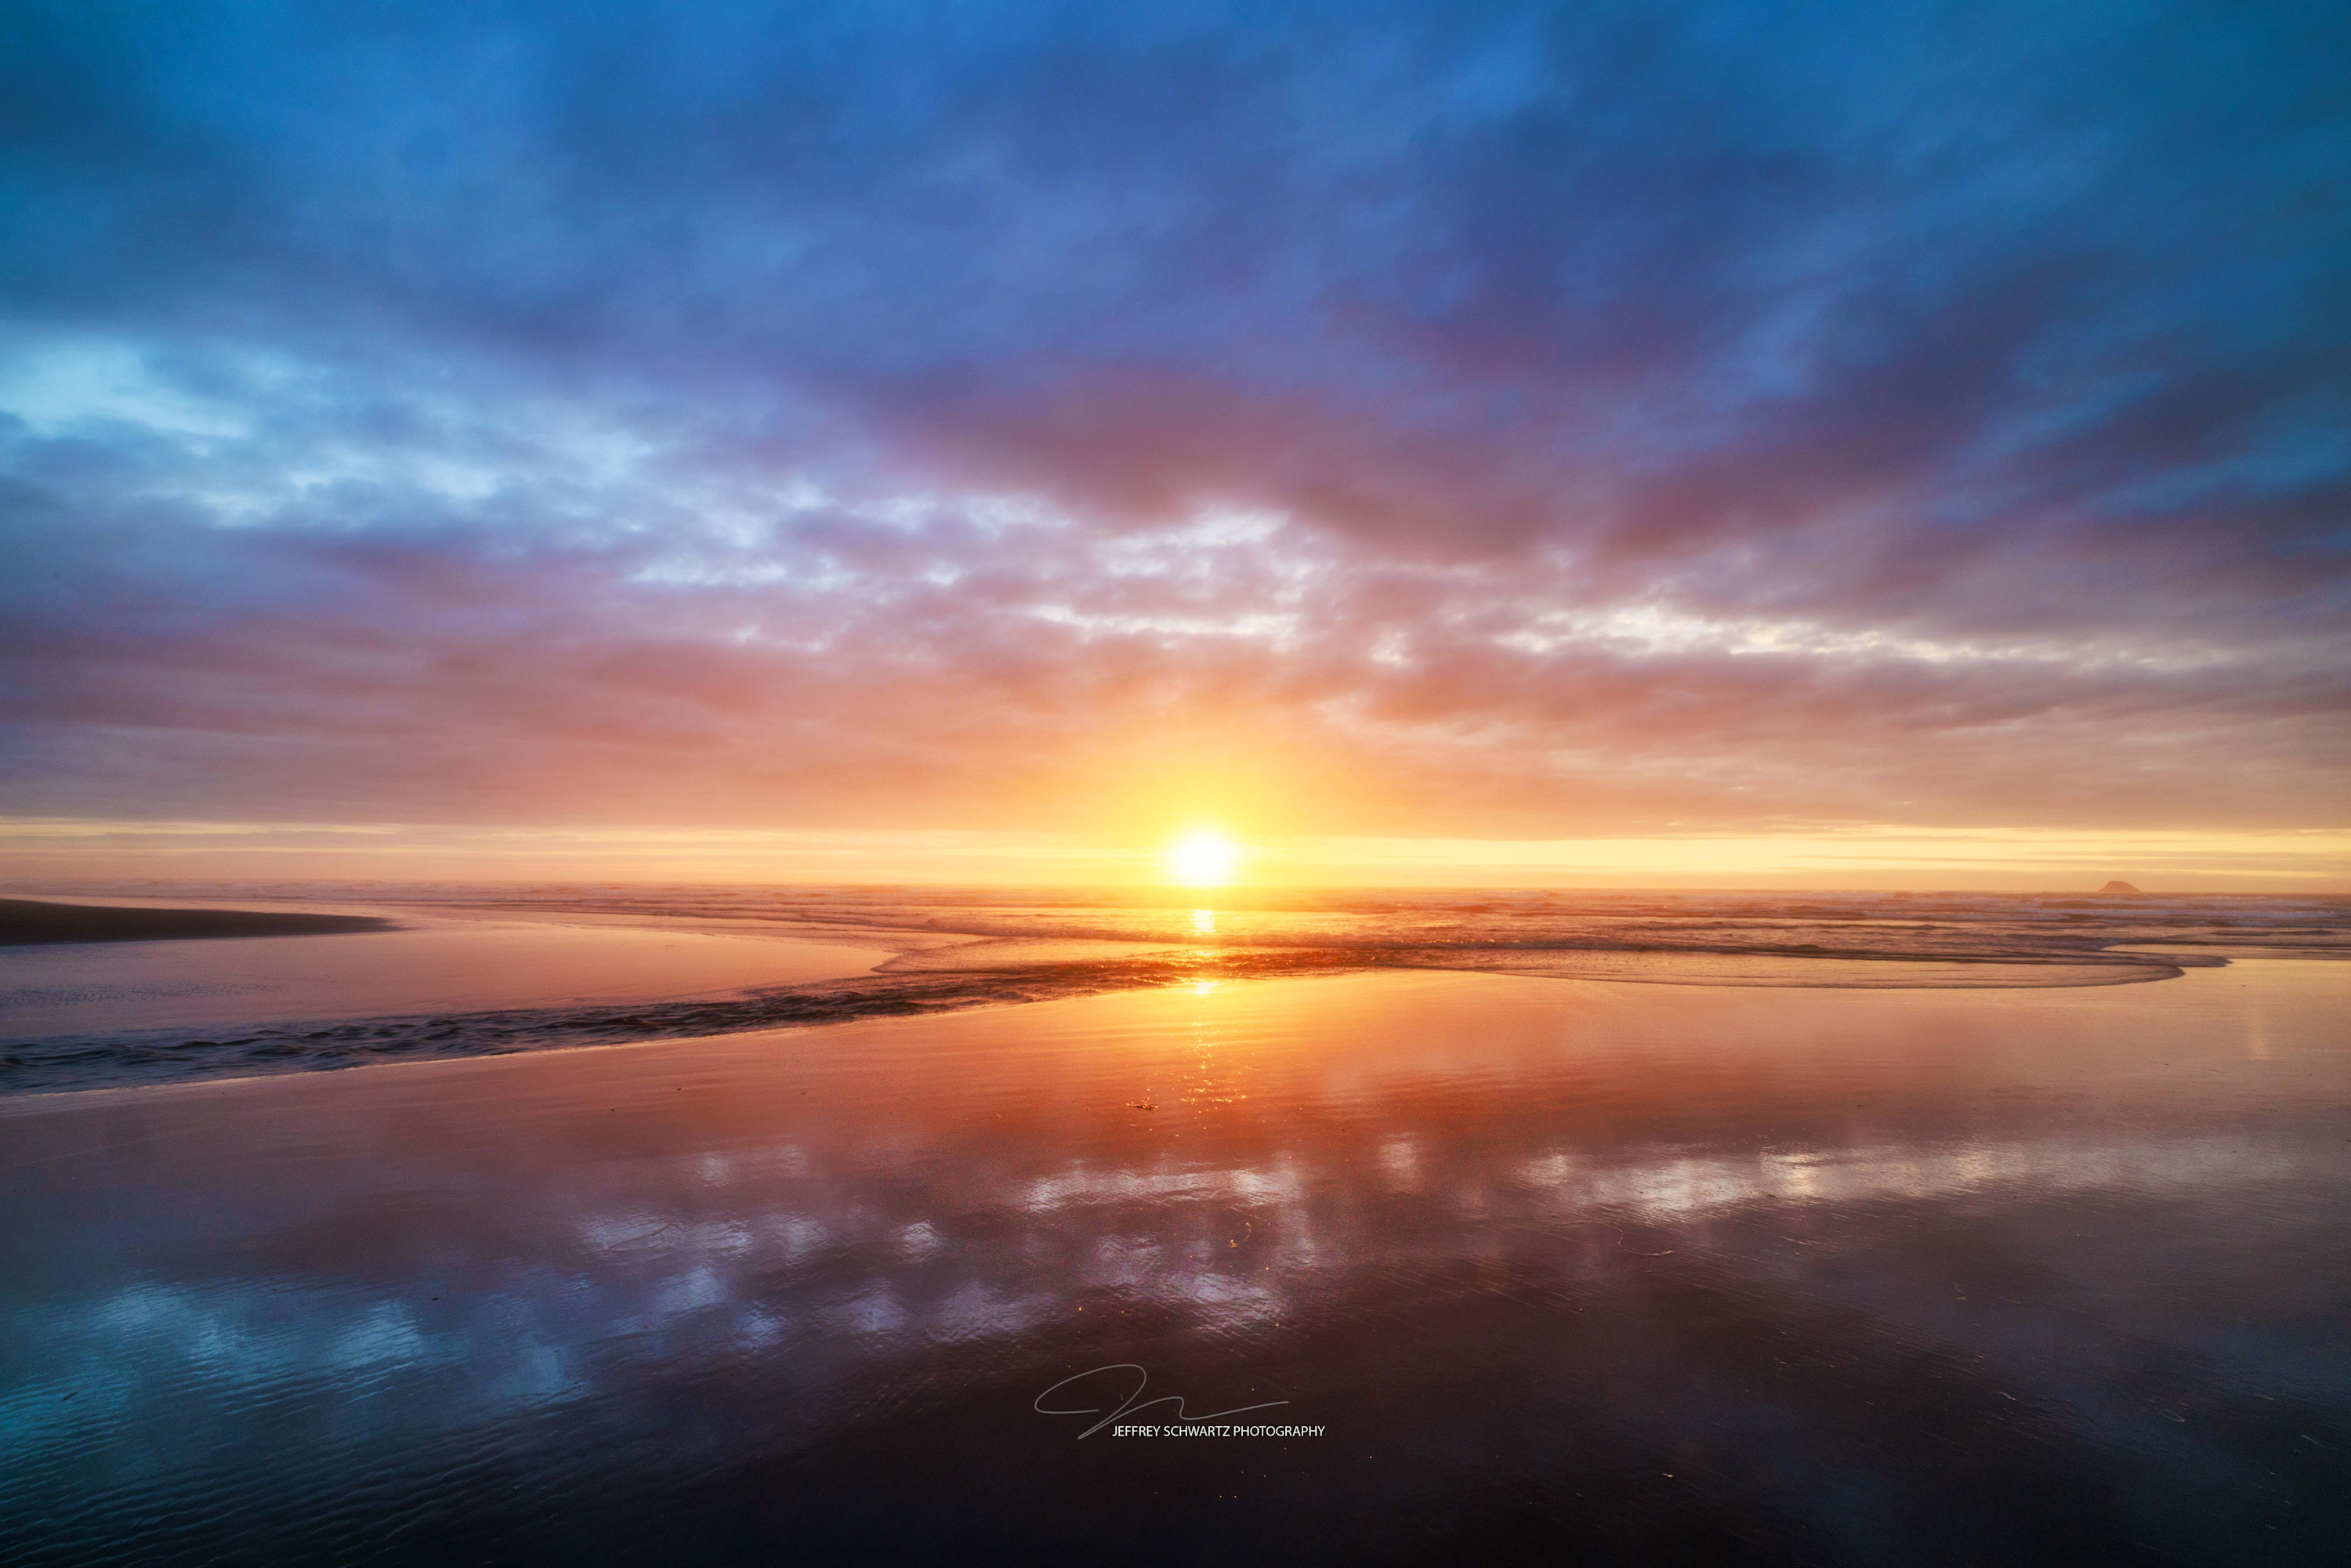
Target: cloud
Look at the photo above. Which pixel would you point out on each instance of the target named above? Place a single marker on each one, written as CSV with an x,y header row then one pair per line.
x,y
1397,419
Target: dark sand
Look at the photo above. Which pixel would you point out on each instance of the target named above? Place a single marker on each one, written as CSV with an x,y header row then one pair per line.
x,y
28,923
1566,1272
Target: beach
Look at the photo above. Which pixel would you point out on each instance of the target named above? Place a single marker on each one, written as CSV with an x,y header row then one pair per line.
x,y
125,969
1518,1264
473,971
1311,784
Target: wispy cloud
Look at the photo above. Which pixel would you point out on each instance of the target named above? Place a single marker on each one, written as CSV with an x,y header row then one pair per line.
x,y
1419,421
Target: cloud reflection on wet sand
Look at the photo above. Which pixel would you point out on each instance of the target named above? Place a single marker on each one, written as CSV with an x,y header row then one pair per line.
x,y
290,1310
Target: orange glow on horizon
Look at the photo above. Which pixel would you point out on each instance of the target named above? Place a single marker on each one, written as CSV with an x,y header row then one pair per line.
x,y
51,853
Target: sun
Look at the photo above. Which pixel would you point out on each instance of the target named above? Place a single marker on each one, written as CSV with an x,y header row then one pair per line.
x,y
1203,859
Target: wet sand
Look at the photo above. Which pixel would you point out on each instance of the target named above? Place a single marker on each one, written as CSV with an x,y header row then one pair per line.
x,y
358,961
495,969
1620,1273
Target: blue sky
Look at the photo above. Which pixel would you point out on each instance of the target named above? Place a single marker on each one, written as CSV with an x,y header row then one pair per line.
x,y
1435,420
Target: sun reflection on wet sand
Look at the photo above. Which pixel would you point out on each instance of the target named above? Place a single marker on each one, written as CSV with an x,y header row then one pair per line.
x,y
1637,1207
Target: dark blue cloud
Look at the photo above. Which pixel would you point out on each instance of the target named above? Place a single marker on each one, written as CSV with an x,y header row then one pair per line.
x,y
1811,411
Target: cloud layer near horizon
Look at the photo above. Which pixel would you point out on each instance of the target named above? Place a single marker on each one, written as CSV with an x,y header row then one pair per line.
x,y
1426,419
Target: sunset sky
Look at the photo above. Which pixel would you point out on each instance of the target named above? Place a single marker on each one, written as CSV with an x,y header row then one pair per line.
x,y
1710,444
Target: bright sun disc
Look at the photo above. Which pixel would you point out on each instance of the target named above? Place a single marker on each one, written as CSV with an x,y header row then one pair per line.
x,y
1203,860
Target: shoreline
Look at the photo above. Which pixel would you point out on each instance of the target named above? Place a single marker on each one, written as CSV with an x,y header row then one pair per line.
x,y
14,1101
40,922
48,1065
474,975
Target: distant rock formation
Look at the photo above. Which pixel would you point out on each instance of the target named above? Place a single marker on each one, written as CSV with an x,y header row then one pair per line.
x,y
2118,887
